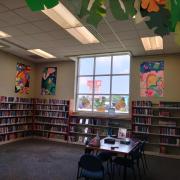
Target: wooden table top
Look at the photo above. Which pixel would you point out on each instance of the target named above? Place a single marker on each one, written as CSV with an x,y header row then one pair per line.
x,y
119,147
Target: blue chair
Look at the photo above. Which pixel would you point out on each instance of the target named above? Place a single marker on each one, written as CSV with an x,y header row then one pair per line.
x,y
90,167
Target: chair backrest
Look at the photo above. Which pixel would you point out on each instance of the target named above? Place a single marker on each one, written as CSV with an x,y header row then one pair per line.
x,y
142,144
91,163
136,153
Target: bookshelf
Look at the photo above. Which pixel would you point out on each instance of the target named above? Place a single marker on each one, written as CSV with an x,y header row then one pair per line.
x,y
83,127
16,116
51,118
158,125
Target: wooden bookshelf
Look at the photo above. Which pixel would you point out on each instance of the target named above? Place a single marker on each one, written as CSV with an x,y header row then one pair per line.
x,y
158,124
15,118
51,119
84,127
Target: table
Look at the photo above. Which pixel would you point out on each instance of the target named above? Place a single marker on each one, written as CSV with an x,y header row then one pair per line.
x,y
124,149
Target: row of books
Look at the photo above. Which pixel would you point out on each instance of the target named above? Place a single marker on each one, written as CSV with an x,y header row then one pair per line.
x,y
78,139
52,114
51,107
15,99
169,140
168,131
143,120
16,106
52,121
143,111
141,129
50,128
89,130
7,137
15,113
15,120
51,101
89,121
50,135
142,103
167,123
169,104
15,128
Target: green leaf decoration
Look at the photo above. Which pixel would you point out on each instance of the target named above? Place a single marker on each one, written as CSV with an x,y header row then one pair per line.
x,y
96,13
38,5
118,11
177,33
84,7
129,4
159,21
175,13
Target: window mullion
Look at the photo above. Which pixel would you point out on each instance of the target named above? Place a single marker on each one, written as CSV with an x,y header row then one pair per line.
x,y
93,90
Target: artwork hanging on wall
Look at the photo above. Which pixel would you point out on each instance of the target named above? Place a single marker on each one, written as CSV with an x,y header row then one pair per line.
x,y
152,79
22,79
48,83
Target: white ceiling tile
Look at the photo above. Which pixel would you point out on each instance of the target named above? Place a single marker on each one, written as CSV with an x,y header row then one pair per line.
x,y
44,37
119,26
13,5
3,8
128,35
28,28
46,25
11,18
29,15
13,31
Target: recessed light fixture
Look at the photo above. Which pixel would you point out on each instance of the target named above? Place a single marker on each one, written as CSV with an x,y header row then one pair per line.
x,y
41,53
152,43
63,17
4,35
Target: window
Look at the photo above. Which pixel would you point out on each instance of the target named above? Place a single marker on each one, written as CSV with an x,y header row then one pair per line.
x,y
103,83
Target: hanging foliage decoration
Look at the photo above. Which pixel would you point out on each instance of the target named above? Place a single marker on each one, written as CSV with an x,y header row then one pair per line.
x,y
163,16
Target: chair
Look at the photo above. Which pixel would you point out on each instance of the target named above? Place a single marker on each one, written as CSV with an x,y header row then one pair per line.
x,y
90,167
129,162
143,156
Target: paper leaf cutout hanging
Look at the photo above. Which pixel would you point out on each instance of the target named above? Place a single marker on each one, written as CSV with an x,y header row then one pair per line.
x,y
117,9
175,13
159,21
38,5
152,5
96,13
84,8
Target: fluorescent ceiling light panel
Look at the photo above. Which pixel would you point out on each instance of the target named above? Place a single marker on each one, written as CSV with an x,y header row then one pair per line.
x,y
63,17
83,35
4,35
41,53
152,43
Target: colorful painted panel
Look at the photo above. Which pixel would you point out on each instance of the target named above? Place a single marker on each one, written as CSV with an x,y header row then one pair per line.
x,y
48,83
22,79
152,79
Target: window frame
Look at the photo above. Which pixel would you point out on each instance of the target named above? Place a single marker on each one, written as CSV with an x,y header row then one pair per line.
x,y
111,75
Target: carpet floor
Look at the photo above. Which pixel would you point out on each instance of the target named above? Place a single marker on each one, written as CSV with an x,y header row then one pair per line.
x,y
44,160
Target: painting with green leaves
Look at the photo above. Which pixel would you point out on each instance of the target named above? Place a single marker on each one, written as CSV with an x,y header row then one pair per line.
x,y
48,83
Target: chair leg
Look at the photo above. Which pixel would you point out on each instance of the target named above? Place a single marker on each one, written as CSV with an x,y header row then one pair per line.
x,y
125,173
143,164
139,172
144,156
77,177
134,173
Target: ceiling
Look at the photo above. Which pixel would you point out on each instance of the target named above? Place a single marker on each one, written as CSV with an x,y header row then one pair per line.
x,y
31,30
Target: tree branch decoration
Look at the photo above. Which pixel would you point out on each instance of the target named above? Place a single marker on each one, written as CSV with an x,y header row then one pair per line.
x,y
162,16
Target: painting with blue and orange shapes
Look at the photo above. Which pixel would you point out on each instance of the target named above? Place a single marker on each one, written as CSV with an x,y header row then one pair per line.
x,y
22,84
48,83
152,79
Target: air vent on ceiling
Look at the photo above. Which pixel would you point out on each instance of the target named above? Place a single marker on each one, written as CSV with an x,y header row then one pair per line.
x,y
94,32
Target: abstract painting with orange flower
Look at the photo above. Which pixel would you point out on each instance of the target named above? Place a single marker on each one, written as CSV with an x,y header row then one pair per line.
x,y
22,79
48,83
152,79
